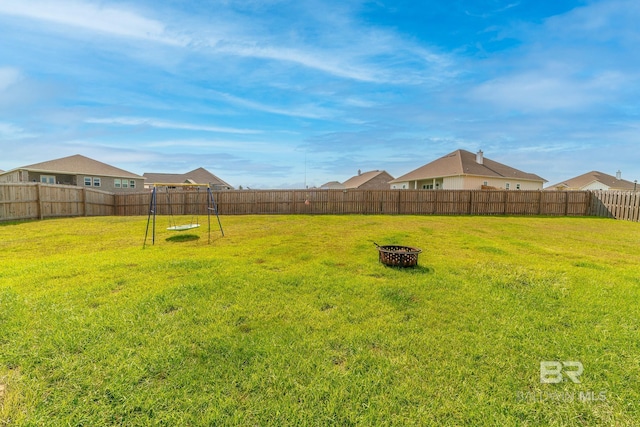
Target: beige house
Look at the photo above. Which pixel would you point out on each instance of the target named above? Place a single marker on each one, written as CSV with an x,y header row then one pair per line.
x,y
463,170
595,180
372,180
332,185
79,171
197,176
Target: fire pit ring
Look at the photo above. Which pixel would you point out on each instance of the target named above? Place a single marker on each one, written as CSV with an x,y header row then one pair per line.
x,y
398,256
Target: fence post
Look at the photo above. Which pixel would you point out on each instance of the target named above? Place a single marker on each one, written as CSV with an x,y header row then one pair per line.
x,y
116,206
435,201
294,201
505,194
185,203
597,200
39,201
84,201
540,202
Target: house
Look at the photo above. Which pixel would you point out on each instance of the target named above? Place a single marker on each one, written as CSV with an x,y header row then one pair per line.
x,y
463,170
332,185
76,170
595,180
197,176
372,180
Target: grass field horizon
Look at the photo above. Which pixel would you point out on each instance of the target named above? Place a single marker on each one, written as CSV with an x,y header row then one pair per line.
x,y
291,320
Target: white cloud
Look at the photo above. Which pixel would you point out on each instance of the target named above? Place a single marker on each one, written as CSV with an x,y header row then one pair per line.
x,y
533,91
585,58
333,41
9,131
358,102
357,60
8,77
140,121
600,20
308,111
490,13
209,144
92,17
329,63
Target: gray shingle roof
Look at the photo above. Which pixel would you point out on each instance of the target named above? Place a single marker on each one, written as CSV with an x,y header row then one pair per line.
x,y
583,180
362,178
332,185
80,165
462,162
196,176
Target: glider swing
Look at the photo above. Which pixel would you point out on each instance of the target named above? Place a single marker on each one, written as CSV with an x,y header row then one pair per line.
x,y
173,225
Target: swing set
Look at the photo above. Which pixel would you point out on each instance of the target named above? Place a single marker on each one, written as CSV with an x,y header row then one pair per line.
x,y
173,225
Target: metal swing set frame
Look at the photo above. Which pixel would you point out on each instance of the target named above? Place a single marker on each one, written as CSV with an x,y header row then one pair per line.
x,y
153,209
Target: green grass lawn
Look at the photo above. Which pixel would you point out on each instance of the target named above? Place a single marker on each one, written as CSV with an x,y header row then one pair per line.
x,y
291,320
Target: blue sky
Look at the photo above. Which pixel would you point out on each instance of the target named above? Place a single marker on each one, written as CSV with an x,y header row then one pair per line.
x,y
287,93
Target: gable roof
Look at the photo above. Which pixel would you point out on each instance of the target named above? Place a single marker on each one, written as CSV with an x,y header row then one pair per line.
x,y
332,185
362,178
585,179
79,165
196,176
463,162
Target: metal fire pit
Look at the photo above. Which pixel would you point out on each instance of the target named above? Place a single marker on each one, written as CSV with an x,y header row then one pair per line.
x,y
398,256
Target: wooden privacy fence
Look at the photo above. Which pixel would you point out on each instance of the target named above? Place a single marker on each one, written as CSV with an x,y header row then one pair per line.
x,y
38,201
395,202
623,205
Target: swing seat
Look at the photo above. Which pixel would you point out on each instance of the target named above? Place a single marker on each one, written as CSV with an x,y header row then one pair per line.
x,y
183,227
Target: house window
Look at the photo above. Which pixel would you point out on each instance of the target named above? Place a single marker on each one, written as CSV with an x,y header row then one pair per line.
x,y
87,181
427,187
117,183
132,184
125,183
96,182
47,179
517,186
507,186
485,183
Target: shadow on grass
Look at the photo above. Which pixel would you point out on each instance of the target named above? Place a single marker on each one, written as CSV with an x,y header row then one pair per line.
x,y
17,222
183,238
417,269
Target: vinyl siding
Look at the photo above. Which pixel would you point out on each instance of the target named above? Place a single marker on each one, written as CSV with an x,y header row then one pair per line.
x,y
10,177
469,183
595,186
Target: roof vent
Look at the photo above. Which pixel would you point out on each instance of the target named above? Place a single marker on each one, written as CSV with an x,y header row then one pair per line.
x,y
359,172
619,175
479,157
